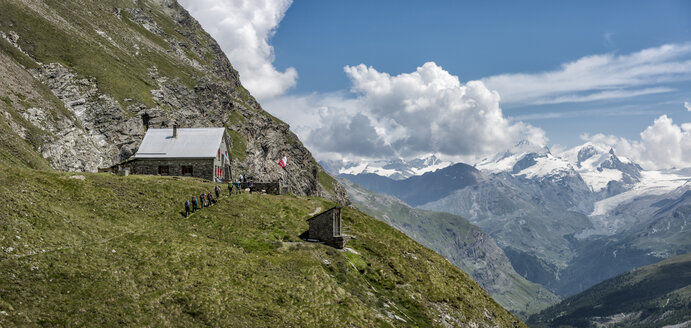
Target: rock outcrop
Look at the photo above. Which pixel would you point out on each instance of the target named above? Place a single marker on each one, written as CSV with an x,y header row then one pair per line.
x,y
112,72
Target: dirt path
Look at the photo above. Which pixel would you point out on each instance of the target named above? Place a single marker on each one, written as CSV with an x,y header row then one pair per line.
x,y
316,211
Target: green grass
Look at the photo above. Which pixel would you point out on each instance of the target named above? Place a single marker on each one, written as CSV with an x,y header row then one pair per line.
x,y
118,72
238,148
17,55
16,151
464,244
245,95
660,292
146,33
236,118
112,250
326,181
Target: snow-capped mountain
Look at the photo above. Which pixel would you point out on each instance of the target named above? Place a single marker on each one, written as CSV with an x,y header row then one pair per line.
x,y
599,167
565,220
608,215
397,169
602,170
527,160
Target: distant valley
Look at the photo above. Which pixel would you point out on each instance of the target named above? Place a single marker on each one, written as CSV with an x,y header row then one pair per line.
x,y
657,295
566,221
462,243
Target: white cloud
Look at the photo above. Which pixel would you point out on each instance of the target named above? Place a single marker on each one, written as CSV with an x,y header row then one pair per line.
x,y
426,111
243,29
622,110
613,94
687,106
598,77
663,145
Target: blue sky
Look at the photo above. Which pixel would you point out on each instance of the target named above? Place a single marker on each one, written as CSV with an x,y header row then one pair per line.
x,y
471,39
560,70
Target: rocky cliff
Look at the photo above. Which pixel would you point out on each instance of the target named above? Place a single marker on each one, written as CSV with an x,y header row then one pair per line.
x,y
82,81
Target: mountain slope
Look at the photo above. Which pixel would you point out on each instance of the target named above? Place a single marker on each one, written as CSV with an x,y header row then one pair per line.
x,y
602,170
462,243
87,79
531,219
421,189
98,249
652,296
396,169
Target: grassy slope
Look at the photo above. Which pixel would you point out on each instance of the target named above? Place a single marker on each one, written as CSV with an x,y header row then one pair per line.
x,y
16,151
116,251
118,72
446,234
655,295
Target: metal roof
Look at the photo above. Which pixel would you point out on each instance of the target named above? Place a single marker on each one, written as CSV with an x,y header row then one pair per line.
x,y
190,143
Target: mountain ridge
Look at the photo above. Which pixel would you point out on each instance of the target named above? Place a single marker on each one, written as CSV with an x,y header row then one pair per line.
x,y
115,250
106,71
462,243
555,226
654,295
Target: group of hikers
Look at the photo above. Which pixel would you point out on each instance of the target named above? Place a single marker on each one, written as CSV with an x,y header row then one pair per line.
x,y
204,200
207,199
249,180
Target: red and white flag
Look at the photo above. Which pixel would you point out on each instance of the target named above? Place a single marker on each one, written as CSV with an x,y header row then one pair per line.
x,y
282,162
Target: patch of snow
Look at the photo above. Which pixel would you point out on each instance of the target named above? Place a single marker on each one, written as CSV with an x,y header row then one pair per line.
x,y
502,165
367,168
431,168
381,171
598,180
545,166
396,169
652,183
354,170
624,160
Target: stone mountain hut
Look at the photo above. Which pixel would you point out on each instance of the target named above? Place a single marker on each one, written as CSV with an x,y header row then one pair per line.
x,y
195,152
326,227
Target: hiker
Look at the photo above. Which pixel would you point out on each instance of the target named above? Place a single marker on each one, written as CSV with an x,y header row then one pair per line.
x,y
210,198
237,186
251,184
201,200
187,208
217,190
195,203
241,178
230,188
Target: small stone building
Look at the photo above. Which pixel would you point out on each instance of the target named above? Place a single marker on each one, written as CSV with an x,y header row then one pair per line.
x,y
195,152
326,227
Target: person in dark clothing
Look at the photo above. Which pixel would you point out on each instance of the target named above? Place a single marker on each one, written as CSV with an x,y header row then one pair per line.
x,y
217,190
202,200
210,198
187,208
230,188
195,204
